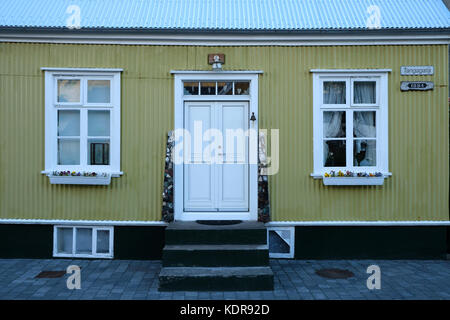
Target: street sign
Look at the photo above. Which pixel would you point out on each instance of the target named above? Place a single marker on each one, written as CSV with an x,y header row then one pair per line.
x,y
417,70
416,85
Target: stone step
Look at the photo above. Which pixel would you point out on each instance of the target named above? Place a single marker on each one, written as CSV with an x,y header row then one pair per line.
x,y
216,279
215,255
181,233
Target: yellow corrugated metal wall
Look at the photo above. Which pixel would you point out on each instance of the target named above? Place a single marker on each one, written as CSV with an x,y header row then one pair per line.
x,y
418,131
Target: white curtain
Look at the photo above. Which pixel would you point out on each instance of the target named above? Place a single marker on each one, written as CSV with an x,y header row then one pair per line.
x,y
332,128
332,124
364,126
364,92
334,93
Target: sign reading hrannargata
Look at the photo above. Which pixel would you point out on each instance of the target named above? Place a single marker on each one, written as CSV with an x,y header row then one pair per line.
x,y
416,70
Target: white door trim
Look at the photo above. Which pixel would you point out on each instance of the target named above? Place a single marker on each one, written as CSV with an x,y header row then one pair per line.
x,y
179,100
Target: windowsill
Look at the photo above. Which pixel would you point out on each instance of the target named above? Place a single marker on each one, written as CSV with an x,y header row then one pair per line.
x,y
96,256
82,180
352,181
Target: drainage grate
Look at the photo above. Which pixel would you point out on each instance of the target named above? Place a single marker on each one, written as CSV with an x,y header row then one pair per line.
x,y
51,274
219,222
335,273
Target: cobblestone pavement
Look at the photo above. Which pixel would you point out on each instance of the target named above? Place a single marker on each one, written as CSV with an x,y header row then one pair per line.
x,y
294,279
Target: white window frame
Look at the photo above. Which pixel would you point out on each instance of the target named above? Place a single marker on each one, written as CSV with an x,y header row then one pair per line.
x,y
287,255
381,108
51,119
94,229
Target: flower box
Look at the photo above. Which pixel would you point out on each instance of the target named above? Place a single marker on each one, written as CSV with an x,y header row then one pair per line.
x,y
80,180
353,181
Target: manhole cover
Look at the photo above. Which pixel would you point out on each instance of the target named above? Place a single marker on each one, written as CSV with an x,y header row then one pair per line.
x,y
51,274
218,222
335,273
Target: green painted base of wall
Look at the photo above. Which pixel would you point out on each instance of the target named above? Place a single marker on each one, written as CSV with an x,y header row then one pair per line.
x,y
337,242
146,243
26,241
448,240
138,243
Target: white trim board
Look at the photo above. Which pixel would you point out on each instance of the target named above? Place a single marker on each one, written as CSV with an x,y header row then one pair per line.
x,y
82,69
356,223
350,70
183,39
85,222
197,72
268,224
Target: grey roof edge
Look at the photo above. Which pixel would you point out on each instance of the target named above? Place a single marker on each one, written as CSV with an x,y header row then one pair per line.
x,y
207,31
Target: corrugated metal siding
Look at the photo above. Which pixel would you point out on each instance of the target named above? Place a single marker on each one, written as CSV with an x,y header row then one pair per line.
x,y
226,14
418,131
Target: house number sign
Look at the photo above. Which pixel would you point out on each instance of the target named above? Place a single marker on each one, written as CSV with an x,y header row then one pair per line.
x,y
417,70
416,85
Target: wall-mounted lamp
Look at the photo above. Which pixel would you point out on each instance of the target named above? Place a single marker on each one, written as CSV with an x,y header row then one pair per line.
x,y
216,60
253,118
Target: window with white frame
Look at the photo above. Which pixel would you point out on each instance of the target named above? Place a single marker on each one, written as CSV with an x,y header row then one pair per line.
x,y
350,122
83,242
82,121
281,242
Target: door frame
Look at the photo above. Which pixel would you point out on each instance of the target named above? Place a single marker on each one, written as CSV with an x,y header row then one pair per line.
x,y
179,100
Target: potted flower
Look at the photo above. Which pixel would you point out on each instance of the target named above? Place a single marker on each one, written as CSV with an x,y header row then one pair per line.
x,y
349,178
79,178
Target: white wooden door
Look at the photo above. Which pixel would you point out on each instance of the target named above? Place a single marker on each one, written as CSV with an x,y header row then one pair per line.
x,y
216,179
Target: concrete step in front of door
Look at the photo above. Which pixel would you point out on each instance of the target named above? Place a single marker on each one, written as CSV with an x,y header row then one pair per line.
x,y
182,233
216,279
215,255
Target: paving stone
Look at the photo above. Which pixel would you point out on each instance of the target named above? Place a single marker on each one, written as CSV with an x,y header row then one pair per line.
x,y
294,279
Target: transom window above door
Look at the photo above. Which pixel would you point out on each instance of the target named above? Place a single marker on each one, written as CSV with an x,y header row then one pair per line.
x,y
350,123
208,88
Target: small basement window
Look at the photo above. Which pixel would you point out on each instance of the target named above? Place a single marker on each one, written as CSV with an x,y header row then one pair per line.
x,y
281,241
83,242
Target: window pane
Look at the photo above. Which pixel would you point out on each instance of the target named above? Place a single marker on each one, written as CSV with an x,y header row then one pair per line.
x,y
242,88
68,90
102,241
68,122
364,153
84,241
69,151
64,240
364,92
98,91
334,153
279,241
334,92
98,123
225,88
98,152
208,88
334,124
364,124
191,88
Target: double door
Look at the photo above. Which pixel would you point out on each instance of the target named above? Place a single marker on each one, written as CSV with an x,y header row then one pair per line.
x,y
216,154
